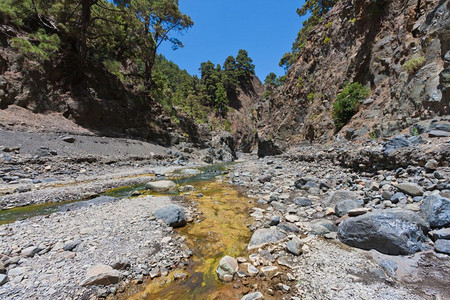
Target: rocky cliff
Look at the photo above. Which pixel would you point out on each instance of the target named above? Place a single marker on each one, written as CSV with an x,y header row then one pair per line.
x,y
97,100
400,49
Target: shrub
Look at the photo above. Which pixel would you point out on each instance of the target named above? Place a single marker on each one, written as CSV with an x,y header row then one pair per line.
x,y
347,103
414,64
327,40
310,97
113,67
38,47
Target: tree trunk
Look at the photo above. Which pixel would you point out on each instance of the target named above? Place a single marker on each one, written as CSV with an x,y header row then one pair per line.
x,y
86,6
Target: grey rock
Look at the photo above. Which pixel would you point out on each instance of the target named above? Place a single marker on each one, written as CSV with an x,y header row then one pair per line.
x,y
288,227
3,279
18,271
190,172
101,275
394,232
253,296
264,236
228,266
397,197
304,202
265,178
439,133
186,188
339,196
322,227
267,147
30,251
389,266
71,245
343,207
161,186
274,220
410,189
443,233
172,215
294,246
431,165
442,246
68,139
436,211
398,142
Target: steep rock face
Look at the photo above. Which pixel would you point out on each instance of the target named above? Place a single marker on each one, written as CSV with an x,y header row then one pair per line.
x,y
90,96
368,42
242,114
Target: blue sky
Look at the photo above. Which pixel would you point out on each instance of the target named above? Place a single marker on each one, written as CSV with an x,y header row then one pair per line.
x,y
265,28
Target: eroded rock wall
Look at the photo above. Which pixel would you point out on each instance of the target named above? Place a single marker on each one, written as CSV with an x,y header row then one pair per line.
x,y
368,42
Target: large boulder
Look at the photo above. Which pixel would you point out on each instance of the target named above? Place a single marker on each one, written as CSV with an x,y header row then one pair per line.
x,y
394,232
267,147
228,266
101,275
264,236
172,215
436,211
161,186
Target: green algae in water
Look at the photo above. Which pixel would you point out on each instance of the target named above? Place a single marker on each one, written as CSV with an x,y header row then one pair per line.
x,y
19,213
222,232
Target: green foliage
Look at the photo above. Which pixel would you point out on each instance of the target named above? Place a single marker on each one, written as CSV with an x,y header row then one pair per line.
x,y
272,81
329,24
347,103
315,9
227,125
287,61
352,21
244,66
326,40
300,82
414,64
113,67
38,47
310,97
267,94
373,135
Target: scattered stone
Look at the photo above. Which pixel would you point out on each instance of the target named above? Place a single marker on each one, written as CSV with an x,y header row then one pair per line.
x,y
71,245
265,178
228,266
339,196
68,139
344,206
3,279
190,172
186,188
180,276
30,251
253,296
172,215
294,246
436,211
288,227
443,233
304,202
269,271
274,221
292,218
252,270
161,186
322,227
431,165
101,275
394,232
357,211
264,236
389,266
442,246
409,188
438,133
